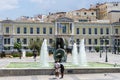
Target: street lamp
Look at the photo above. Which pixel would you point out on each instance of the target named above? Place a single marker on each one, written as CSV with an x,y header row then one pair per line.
x,y
105,40
101,42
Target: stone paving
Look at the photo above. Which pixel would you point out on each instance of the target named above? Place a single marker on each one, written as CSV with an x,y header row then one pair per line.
x,y
102,76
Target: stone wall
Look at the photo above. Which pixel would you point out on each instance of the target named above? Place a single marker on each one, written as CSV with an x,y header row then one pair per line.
x,y
24,72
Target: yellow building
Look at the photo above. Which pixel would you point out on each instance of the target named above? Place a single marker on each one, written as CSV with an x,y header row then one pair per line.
x,y
13,31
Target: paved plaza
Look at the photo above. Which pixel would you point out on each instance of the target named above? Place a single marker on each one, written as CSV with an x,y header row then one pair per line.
x,y
102,76
91,57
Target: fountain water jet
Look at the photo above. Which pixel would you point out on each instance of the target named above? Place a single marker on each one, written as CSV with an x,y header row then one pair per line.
x,y
82,54
44,55
74,55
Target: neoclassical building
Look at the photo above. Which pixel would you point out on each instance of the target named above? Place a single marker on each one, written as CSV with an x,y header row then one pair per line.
x,y
14,31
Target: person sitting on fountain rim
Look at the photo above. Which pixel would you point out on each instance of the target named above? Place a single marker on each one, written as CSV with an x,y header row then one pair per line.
x,y
57,69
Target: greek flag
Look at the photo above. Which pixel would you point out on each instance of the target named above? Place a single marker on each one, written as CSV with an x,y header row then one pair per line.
x,y
60,25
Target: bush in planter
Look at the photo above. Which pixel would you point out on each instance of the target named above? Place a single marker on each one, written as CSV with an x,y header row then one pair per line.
x,y
29,54
15,54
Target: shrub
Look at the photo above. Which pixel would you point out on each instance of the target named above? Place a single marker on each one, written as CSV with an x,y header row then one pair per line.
x,y
29,54
15,54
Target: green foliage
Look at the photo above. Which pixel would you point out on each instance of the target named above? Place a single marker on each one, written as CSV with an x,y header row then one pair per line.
x,y
35,45
17,46
97,49
29,54
15,54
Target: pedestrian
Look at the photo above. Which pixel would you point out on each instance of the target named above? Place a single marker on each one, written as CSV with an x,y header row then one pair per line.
x,y
61,70
57,69
34,55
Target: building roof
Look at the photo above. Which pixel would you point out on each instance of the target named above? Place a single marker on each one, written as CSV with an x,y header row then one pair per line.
x,y
7,21
114,11
64,19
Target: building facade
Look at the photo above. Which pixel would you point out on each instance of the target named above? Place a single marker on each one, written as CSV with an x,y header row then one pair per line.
x,y
103,9
114,16
13,31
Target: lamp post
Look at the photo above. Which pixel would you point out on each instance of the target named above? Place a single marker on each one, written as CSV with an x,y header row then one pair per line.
x,y
105,40
106,59
118,46
101,42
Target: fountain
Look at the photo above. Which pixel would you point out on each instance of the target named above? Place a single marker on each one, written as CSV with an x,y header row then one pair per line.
x,y
59,53
44,54
74,55
82,54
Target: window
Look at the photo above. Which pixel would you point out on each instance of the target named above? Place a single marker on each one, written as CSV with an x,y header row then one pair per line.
x,y
38,30
92,13
77,14
107,30
84,31
89,41
18,40
24,41
78,31
64,28
95,30
44,30
7,41
116,31
50,30
101,31
85,13
95,41
89,30
7,29
25,30
18,30
50,41
31,30
115,4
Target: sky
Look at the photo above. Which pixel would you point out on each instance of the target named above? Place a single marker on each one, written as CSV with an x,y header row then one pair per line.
x,y
13,9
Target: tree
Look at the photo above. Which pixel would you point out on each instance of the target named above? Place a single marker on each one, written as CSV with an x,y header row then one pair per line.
x,y
18,46
35,45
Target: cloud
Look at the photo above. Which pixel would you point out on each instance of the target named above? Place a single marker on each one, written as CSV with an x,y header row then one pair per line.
x,y
8,4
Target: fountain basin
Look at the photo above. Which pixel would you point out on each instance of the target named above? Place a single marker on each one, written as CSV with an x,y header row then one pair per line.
x,y
23,69
68,65
25,72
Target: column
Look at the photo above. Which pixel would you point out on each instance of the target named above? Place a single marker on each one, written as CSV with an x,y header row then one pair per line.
x,y
13,29
56,28
72,28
